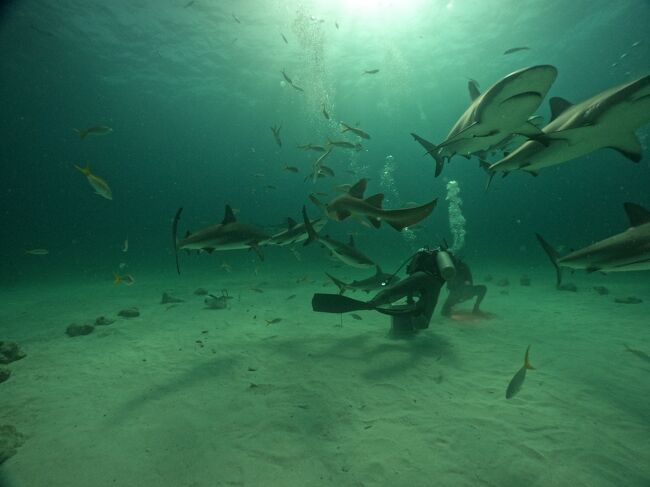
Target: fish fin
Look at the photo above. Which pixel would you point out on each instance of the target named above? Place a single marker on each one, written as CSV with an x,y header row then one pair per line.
x,y
592,269
375,200
636,214
312,236
375,222
485,165
342,215
378,270
528,129
340,284
558,105
84,170
208,250
82,133
257,250
432,150
533,173
345,127
554,256
229,216
396,225
629,147
116,278
291,222
358,188
472,87
351,242
527,364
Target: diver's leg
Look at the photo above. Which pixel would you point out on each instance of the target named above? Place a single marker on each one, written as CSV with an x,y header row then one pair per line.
x,y
449,304
480,291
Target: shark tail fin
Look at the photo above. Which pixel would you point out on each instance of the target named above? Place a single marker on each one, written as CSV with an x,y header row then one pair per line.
x,y
177,218
81,133
433,151
340,284
553,256
312,236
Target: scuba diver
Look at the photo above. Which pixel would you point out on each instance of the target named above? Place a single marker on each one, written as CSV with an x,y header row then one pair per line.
x,y
461,288
427,270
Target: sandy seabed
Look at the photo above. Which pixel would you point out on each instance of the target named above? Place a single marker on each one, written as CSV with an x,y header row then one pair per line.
x,y
186,396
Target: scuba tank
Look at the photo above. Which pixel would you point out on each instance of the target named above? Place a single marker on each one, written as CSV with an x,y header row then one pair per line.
x,y
445,265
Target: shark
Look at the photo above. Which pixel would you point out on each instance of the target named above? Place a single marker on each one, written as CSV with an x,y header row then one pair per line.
x,y
295,232
626,251
606,120
376,281
346,253
227,235
352,203
501,110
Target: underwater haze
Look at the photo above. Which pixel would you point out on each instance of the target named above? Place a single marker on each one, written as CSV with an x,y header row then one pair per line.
x,y
201,104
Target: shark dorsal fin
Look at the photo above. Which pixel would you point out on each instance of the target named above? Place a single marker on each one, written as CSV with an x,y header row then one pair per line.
x,y
291,222
351,242
637,215
472,87
229,216
359,188
558,105
375,200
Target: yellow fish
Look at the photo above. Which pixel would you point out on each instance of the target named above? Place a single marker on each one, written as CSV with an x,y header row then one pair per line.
x,y
126,279
98,184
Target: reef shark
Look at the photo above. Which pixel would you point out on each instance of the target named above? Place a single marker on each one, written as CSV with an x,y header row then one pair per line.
x,y
296,232
227,235
353,204
503,109
346,253
627,251
606,120
376,281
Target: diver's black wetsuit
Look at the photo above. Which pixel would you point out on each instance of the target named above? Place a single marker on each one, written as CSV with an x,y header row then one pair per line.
x,y
461,288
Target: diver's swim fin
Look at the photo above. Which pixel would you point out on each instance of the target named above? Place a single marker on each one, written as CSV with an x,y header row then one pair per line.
x,y
337,303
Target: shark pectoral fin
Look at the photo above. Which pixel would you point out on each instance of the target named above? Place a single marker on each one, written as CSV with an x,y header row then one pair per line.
x,y
488,134
375,200
375,222
636,214
258,251
628,146
558,105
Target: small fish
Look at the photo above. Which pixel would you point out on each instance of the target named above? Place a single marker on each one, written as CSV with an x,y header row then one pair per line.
x,y
257,175
356,316
314,147
639,353
276,134
518,379
37,252
257,290
291,297
189,4
98,184
126,279
291,168
636,44
371,71
325,114
344,144
273,321
516,49
236,18
125,246
98,130
284,39
356,131
337,25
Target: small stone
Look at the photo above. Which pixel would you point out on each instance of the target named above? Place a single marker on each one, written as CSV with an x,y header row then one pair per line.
x,y
10,440
10,352
201,292
129,313
75,330
103,321
168,298
5,373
